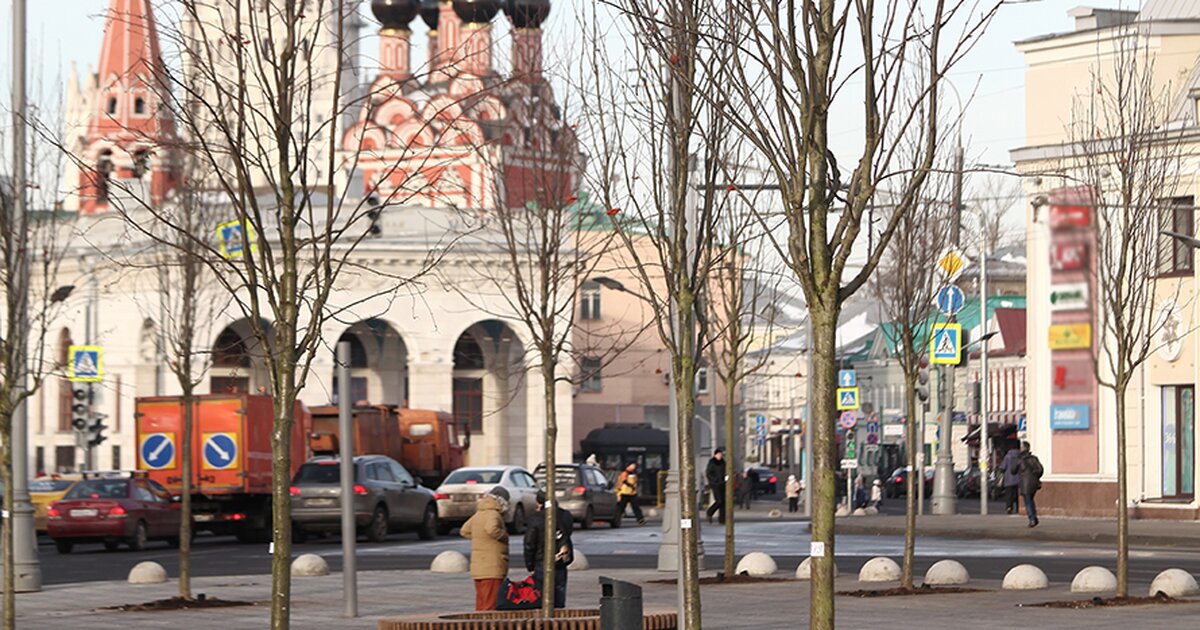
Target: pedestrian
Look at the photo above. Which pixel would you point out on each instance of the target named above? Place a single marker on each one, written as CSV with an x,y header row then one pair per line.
x,y
741,490
591,460
714,475
1030,470
877,494
860,494
1011,479
792,490
489,546
535,548
627,493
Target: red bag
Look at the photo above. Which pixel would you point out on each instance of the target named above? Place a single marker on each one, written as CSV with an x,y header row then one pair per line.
x,y
522,595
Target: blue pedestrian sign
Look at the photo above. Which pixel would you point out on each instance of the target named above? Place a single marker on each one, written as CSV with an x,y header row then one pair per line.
x,y
847,398
945,345
846,378
950,300
86,365
232,241
157,450
220,451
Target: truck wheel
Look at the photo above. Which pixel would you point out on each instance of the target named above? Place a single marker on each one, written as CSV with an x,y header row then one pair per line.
x,y
588,516
64,546
138,541
518,523
377,529
429,524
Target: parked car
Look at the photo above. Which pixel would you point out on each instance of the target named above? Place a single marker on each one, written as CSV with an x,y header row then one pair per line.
x,y
896,484
458,494
44,491
968,482
114,510
763,480
387,498
584,491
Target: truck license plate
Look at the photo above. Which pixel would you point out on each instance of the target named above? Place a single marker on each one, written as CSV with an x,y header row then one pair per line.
x,y
83,513
202,518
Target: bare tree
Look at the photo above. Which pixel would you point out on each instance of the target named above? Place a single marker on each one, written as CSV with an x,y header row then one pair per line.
x,y
986,210
1128,159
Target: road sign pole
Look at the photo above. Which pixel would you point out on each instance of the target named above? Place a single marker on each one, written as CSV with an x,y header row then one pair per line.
x,y
943,487
985,439
346,454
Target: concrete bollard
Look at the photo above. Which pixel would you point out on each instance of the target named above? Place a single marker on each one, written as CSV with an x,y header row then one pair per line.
x,y
859,512
147,573
842,510
947,573
1174,583
580,563
776,513
756,564
871,510
804,571
1025,577
450,562
881,569
309,565
1094,580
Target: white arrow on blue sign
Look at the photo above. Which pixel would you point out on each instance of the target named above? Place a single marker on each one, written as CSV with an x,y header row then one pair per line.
x,y
220,451
950,300
158,451
847,378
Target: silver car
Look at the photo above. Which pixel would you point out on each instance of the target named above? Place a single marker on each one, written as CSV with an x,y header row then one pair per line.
x,y
386,498
458,494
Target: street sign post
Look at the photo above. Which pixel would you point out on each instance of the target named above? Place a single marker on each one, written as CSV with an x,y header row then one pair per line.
x,y
847,378
950,300
847,398
945,344
86,364
847,420
231,240
952,263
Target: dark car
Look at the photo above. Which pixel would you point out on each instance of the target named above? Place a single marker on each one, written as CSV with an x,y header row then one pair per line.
x,y
896,484
584,491
968,482
763,480
386,498
113,511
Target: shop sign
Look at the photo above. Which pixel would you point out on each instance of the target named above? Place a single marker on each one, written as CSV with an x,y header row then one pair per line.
x,y
1072,296
1068,256
1069,216
1069,417
1070,336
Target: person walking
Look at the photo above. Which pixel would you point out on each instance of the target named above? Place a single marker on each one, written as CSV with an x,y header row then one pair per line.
x,y
714,476
1030,470
877,494
627,493
489,546
535,548
1011,479
792,490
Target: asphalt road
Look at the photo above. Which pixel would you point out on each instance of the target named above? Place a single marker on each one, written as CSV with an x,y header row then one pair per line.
x,y
629,547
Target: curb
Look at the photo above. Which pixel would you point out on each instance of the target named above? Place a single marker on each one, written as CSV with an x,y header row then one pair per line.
x,y
1143,540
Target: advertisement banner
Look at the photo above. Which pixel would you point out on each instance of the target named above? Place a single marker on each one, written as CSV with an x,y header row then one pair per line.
x,y
1070,336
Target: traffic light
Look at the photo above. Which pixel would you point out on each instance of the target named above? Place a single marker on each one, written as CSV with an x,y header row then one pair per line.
x,y
95,431
374,210
976,397
922,388
81,405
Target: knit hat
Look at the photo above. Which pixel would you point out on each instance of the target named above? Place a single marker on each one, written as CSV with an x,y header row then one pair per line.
x,y
500,493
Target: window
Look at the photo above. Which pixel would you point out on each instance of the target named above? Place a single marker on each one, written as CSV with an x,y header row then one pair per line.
x,y
112,106
64,456
401,474
160,492
1178,215
142,493
590,377
380,472
116,457
589,301
1179,442
702,380
139,106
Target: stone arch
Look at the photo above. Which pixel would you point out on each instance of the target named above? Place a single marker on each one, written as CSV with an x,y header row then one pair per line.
x,y
378,363
489,382
239,359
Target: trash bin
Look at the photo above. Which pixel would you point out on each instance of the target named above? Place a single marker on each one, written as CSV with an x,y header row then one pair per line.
x,y
620,605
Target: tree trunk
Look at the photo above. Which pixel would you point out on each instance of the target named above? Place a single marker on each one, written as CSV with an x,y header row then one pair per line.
x,y
281,508
915,443
824,459
730,386
10,574
1122,496
549,542
185,495
686,404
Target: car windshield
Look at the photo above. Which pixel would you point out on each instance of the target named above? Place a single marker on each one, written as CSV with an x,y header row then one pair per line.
x,y
318,473
49,485
564,476
99,489
475,475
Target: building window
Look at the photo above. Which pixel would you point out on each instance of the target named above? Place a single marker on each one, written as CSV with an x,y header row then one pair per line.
x,y
1179,216
702,380
1179,442
104,169
590,377
139,106
116,457
589,301
64,459
112,106
468,403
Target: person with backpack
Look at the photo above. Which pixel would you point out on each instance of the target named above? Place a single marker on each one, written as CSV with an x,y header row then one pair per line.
x,y
535,550
1011,479
792,490
1030,470
489,546
627,493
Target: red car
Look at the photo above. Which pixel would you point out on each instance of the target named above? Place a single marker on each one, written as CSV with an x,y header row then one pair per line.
x,y
114,511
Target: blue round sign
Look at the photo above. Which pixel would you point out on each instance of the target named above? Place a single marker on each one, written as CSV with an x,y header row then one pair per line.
x,y
158,451
950,300
220,451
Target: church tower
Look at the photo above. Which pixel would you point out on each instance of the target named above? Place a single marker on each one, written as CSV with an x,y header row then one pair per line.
x,y
126,149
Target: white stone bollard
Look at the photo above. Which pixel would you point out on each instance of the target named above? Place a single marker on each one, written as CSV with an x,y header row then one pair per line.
x,y
1174,583
580,563
776,513
859,512
1094,580
843,510
881,569
450,562
871,510
756,564
1025,577
309,565
147,573
804,571
947,573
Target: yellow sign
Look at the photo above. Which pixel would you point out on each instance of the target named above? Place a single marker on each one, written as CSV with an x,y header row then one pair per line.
x,y
86,364
1070,336
945,345
847,398
952,263
232,242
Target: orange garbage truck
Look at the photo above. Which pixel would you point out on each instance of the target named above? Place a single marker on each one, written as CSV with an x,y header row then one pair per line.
x,y
425,442
231,457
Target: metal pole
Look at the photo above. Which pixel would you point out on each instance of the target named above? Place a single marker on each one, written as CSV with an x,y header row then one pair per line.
x,y
91,329
796,425
920,471
808,426
346,454
985,439
25,560
943,482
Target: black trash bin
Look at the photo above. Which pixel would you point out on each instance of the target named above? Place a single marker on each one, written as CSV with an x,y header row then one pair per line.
x,y
620,605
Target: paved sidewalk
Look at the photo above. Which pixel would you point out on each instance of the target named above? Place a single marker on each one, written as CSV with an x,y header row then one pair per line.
x,y
1142,533
318,604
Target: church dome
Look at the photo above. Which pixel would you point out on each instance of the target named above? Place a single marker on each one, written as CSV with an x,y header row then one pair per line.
x,y
394,14
527,13
429,13
476,11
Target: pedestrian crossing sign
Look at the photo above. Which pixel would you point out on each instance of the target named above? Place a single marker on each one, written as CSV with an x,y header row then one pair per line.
x,y
945,345
86,364
847,398
232,241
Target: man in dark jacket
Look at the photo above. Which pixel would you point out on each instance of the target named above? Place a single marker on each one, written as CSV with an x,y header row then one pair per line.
x,y
1030,470
714,476
1011,479
535,548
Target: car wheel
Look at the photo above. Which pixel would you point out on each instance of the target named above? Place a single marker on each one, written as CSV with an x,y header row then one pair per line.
x,y
138,541
111,544
64,546
518,523
615,523
377,529
588,516
429,524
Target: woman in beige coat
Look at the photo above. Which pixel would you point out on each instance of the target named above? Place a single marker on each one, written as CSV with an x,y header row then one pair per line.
x,y
489,547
